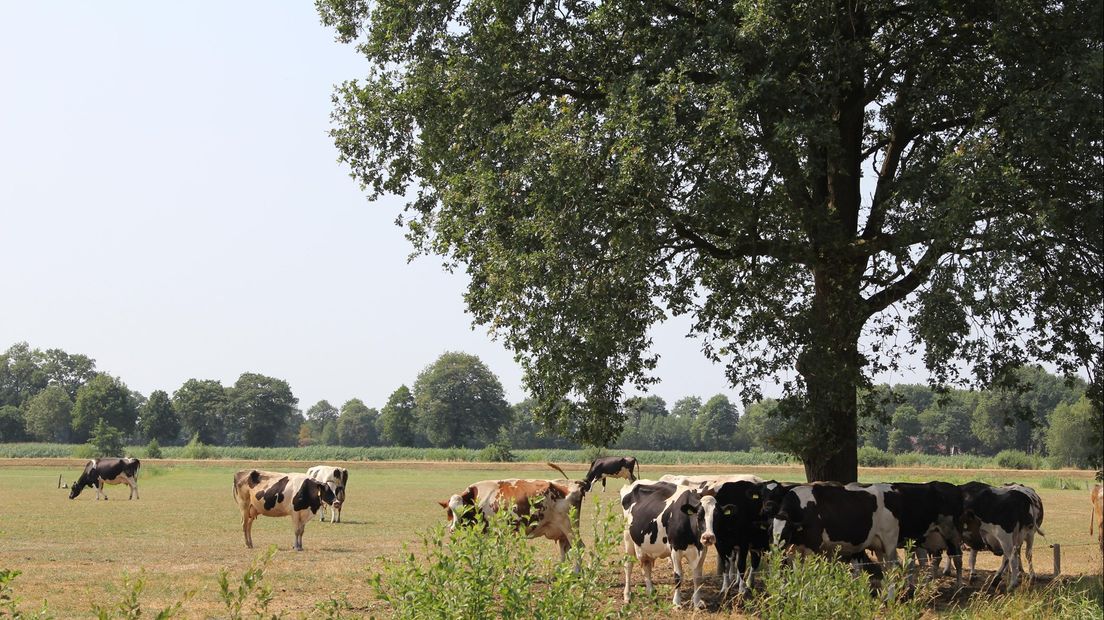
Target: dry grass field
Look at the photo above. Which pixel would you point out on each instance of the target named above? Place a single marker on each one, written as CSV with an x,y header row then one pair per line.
x,y
186,528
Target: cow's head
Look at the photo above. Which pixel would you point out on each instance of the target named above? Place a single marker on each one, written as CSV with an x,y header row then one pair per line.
x,y
311,495
700,508
87,479
460,509
788,519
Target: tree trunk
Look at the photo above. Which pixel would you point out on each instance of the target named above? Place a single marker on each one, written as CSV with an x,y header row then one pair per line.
x,y
831,368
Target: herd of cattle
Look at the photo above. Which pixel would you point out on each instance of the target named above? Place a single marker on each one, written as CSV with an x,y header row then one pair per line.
x,y
681,517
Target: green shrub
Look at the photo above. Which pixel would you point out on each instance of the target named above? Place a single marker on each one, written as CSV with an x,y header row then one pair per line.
x,y
821,587
153,450
129,605
196,449
869,456
493,572
497,452
251,586
9,605
1015,459
106,440
1061,598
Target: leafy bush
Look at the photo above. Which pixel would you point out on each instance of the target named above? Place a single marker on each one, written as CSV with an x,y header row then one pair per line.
x,y
130,605
106,440
493,572
820,587
869,456
251,586
1061,598
196,449
153,450
497,452
1015,459
9,605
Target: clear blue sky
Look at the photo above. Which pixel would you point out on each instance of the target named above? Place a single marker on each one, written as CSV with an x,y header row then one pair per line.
x,y
171,205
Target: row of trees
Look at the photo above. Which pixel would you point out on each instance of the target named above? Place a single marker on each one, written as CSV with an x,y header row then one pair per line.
x,y
458,401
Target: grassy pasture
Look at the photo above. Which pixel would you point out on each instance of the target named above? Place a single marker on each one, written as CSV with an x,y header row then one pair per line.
x,y
186,528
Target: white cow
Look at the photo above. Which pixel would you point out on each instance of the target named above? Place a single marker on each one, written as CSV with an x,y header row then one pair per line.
x,y
337,478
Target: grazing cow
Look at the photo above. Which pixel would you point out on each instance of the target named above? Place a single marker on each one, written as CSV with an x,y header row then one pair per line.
x,y
274,494
847,520
99,472
742,528
541,507
337,478
661,520
930,516
1097,499
611,467
998,519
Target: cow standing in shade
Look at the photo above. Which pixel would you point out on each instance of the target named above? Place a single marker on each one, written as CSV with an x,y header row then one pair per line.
x,y
337,478
997,519
548,508
274,494
611,467
929,518
664,519
99,472
847,520
742,523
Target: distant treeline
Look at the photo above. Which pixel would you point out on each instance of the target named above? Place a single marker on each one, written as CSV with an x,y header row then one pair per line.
x,y
457,402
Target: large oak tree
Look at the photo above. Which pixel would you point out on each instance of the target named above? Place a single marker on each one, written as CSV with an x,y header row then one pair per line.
x,y
822,186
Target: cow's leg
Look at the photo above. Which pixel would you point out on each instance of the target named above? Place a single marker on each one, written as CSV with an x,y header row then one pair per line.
x,y
628,579
725,564
699,564
335,515
973,564
133,488
646,564
247,529
300,526
676,561
1029,544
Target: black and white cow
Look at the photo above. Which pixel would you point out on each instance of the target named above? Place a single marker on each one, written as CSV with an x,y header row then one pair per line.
x,y
611,467
661,520
337,478
1037,517
742,528
997,519
845,520
274,494
99,472
930,519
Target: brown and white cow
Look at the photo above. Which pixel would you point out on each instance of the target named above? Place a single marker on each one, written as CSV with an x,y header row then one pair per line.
x,y
1097,499
542,507
274,494
99,472
337,478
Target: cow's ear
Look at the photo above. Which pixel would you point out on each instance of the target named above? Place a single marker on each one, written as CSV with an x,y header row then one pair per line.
x,y
443,504
728,510
690,509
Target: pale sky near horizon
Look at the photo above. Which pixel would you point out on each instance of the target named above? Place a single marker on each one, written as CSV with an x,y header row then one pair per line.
x,y
172,206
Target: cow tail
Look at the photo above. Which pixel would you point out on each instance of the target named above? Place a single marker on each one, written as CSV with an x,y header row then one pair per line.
x,y
557,468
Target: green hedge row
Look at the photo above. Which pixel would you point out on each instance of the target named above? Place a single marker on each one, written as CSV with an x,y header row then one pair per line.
x,y
868,457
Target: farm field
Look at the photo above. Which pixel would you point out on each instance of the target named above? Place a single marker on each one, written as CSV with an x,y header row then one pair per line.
x,y
186,528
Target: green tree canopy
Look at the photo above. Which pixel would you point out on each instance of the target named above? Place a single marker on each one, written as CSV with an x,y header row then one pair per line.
x,y
1070,436
460,402
320,414
905,429
398,423
687,407
715,425
12,425
201,405
261,412
639,406
49,415
104,398
357,424
158,419
815,183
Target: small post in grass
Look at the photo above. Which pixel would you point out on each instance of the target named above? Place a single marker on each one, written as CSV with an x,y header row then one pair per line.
x,y
1057,559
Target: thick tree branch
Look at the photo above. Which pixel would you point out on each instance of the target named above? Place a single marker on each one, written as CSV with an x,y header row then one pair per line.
x,y
902,288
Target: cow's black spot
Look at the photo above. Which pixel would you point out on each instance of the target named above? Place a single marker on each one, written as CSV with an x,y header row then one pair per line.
x,y
647,502
274,494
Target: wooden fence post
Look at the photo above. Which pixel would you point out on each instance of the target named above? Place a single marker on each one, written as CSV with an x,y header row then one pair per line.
x,y
1057,559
